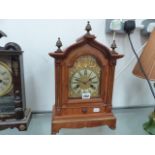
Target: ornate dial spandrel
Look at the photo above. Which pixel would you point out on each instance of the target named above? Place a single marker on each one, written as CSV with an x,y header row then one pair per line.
x,y
84,77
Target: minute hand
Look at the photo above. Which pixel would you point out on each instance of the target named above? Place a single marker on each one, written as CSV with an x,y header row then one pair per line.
x,y
91,79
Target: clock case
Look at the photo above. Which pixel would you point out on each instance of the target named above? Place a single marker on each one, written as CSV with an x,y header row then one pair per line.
x,y
78,113
18,116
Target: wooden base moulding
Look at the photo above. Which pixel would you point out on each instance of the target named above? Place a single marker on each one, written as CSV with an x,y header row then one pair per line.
x,y
83,120
21,124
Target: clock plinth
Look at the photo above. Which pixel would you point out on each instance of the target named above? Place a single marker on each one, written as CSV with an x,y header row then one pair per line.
x,y
84,76
82,120
21,124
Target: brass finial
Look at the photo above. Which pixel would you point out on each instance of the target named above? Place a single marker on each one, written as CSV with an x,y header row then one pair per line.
x,y
88,27
113,45
59,44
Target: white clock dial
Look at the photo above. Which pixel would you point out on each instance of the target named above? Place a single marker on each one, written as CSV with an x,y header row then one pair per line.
x,y
5,79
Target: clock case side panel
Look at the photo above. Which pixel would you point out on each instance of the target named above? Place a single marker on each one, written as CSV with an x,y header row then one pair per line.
x,y
112,65
58,86
22,82
18,76
110,85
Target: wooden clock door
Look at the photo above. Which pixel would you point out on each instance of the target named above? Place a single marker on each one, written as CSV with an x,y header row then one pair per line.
x,y
84,75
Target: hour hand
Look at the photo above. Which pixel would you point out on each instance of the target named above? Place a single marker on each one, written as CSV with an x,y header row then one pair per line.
x,y
92,78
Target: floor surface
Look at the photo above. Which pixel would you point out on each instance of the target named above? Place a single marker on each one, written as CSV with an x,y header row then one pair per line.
x,y
129,122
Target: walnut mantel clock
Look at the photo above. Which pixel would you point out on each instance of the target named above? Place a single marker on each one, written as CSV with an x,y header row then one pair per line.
x,y
13,112
84,75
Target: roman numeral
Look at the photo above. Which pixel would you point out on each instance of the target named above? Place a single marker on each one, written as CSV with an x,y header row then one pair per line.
x,y
3,73
85,72
94,81
77,86
75,77
4,82
75,82
80,73
92,86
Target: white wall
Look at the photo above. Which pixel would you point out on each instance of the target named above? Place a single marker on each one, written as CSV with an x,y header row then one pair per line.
x,y
37,38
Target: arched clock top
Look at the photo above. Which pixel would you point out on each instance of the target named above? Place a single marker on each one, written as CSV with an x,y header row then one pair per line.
x,y
85,50
12,46
87,39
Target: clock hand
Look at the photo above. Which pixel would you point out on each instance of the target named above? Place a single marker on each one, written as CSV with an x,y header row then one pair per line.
x,y
90,74
90,79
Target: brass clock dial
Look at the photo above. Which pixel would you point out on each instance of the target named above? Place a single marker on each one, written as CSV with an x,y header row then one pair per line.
x,y
85,77
5,79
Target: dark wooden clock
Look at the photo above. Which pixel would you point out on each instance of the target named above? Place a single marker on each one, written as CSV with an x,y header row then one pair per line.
x,y
84,75
13,112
